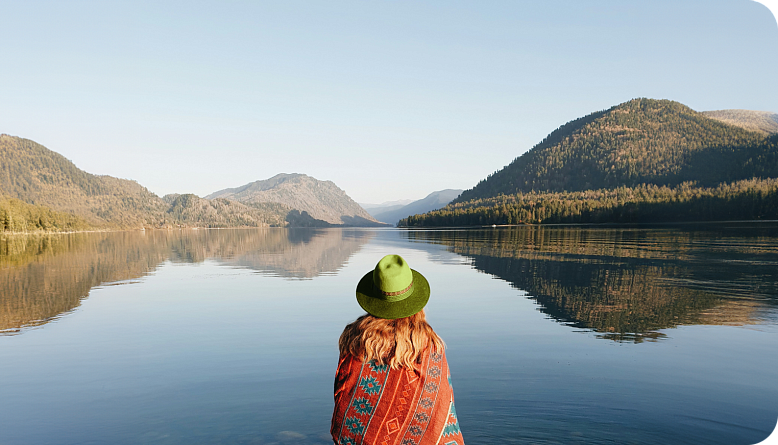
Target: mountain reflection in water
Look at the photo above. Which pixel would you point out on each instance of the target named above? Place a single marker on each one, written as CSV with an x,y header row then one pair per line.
x,y
43,277
626,284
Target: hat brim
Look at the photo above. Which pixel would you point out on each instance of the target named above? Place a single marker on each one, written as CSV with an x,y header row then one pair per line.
x,y
366,296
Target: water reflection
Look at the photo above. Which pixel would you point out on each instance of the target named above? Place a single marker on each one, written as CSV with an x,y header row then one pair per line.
x,y
627,284
43,277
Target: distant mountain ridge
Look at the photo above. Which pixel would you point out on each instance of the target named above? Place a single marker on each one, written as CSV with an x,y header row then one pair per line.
x,y
433,201
388,206
396,203
642,141
322,200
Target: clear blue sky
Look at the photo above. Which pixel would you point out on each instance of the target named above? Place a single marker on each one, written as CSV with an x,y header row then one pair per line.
x,y
388,99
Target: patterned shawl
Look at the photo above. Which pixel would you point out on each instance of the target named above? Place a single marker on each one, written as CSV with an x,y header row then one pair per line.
x,y
377,405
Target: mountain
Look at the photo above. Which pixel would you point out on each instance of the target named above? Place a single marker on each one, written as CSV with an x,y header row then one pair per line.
x,y
42,190
643,141
760,121
397,203
433,201
641,161
36,175
388,206
321,200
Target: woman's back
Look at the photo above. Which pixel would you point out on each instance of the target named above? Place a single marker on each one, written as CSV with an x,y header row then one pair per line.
x,y
393,384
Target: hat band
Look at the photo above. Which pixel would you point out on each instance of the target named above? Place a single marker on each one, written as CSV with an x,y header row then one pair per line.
x,y
394,296
399,292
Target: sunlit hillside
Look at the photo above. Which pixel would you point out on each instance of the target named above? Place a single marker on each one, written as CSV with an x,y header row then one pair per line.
x,y
641,161
760,121
641,141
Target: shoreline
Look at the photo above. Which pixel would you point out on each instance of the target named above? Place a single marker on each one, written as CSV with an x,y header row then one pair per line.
x,y
143,229
493,226
602,224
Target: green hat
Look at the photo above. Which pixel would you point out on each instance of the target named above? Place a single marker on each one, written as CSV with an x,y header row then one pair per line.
x,y
393,290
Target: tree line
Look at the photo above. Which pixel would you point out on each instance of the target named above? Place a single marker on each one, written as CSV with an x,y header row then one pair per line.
x,y
749,199
18,216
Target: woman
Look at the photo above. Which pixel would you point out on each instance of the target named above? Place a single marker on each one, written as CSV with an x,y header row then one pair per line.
x,y
392,386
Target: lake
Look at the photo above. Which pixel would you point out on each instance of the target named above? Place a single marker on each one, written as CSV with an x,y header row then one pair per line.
x,y
555,334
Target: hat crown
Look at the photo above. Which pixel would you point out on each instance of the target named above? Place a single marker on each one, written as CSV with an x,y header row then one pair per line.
x,y
392,289
392,274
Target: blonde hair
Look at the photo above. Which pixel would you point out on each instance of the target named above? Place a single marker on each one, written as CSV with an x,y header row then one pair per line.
x,y
398,343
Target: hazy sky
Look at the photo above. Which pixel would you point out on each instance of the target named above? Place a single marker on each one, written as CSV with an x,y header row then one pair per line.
x,y
388,99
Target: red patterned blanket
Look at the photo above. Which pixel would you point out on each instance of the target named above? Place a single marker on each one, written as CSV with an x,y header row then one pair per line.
x,y
376,405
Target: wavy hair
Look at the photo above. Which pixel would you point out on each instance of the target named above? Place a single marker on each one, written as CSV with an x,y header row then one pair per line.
x,y
398,343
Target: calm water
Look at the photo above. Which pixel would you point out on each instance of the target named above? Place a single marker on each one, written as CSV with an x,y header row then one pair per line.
x,y
556,335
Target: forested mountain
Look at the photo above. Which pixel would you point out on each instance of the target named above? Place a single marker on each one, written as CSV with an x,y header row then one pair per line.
x,y
760,121
433,201
643,141
322,200
36,175
642,161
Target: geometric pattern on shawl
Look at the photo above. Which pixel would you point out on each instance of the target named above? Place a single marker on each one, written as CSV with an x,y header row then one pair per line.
x,y
452,435
383,406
